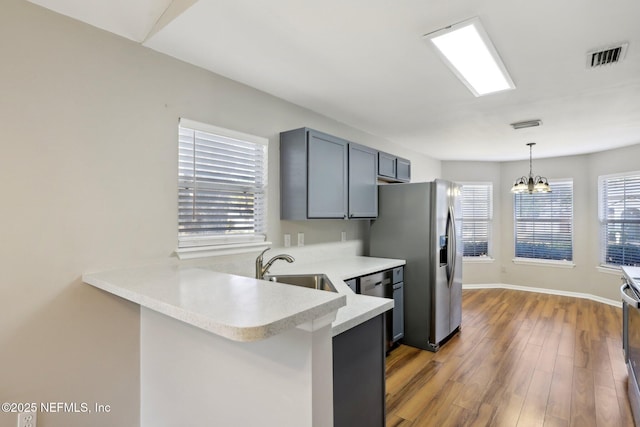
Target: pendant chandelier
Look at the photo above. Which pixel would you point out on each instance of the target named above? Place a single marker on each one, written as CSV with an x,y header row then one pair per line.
x,y
531,184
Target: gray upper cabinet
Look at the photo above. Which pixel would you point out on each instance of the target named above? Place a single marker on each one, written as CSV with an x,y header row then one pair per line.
x,y
323,176
403,170
392,168
313,175
327,176
363,182
386,165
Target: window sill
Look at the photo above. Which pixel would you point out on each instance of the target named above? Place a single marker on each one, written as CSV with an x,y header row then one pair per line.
x,y
609,270
478,259
218,250
544,262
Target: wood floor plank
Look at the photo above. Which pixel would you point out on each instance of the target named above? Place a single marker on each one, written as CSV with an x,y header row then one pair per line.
x,y
559,317
583,406
408,368
619,370
521,359
549,353
626,418
572,311
413,404
395,421
607,410
567,339
535,402
415,381
520,378
559,405
441,407
551,421
582,352
508,412
483,417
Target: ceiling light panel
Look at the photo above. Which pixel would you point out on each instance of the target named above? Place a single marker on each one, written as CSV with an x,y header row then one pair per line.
x,y
466,48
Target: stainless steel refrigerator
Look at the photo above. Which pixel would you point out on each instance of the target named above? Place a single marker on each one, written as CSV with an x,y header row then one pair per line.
x,y
420,222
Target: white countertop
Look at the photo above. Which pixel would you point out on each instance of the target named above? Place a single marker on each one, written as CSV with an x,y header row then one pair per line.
x,y
633,274
245,309
235,307
359,308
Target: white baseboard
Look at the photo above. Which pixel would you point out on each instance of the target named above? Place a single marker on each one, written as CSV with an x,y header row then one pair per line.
x,y
544,291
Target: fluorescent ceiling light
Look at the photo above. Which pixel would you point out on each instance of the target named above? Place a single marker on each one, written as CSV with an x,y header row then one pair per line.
x,y
468,51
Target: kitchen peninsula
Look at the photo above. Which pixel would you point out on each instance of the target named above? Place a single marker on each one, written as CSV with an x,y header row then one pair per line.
x,y
222,349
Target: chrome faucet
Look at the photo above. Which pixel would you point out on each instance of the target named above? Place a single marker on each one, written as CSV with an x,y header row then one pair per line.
x,y
261,269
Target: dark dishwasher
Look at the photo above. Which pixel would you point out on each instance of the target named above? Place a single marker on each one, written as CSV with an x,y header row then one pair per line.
x,y
387,284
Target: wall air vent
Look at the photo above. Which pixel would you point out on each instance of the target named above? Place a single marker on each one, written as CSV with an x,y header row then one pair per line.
x,y
610,55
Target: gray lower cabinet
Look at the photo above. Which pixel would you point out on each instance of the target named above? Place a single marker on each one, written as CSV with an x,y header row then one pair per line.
x,y
397,329
359,376
323,176
398,312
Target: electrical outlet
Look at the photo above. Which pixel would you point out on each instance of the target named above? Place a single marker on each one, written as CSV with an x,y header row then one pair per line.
x,y
300,239
27,419
343,236
287,240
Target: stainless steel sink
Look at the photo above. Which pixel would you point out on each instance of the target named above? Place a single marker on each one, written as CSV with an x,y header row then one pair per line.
x,y
312,281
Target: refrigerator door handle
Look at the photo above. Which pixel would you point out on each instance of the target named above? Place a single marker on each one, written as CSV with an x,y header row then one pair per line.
x,y
454,251
450,247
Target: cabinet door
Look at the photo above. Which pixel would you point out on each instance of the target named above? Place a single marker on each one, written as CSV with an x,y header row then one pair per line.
x,y
327,176
363,182
403,170
358,376
398,311
386,165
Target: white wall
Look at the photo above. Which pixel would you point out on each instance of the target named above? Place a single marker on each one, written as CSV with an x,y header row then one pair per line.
x,y
89,158
191,378
584,169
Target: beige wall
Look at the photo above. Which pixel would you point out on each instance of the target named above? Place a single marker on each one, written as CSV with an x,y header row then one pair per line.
x,y
88,164
584,169
485,272
89,171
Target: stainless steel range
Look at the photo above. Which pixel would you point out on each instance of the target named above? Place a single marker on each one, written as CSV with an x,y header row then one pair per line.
x,y
630,292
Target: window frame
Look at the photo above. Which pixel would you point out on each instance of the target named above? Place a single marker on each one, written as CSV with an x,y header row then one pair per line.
x,y
555,262
488,219
213,243
603,217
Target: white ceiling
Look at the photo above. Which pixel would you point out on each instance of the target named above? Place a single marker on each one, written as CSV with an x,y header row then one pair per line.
x,y
364,63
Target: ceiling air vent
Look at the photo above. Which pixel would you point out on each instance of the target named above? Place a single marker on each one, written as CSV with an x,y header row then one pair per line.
x,y
526,124
607,56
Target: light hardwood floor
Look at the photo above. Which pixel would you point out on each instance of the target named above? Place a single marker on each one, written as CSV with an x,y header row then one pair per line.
x,y
521,359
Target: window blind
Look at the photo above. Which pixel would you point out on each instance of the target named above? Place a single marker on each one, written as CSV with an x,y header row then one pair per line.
x,y
477,214
221,186
544,223
619,214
